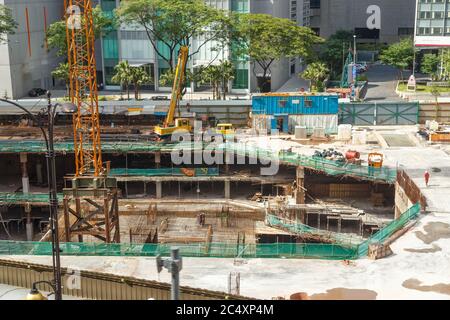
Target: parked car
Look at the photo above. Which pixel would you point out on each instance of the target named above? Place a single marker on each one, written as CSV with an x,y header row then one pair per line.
x,y
160,98
36,92
360,68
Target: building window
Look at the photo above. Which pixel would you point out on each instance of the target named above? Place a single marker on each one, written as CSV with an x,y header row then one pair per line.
x,y
425,15
424,31
240,80
437,31
316,31
314,4
366,33
405,31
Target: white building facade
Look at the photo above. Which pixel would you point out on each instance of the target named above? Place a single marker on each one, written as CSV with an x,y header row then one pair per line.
x,y
25,61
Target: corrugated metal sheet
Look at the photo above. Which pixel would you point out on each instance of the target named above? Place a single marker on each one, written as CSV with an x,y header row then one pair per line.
x,y
262,123
101,286
307,104
327,121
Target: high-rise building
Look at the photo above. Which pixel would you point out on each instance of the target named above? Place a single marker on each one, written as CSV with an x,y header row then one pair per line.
x,y
396,18
432,23
25,61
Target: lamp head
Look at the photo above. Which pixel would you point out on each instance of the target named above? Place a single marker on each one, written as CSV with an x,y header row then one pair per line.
x,y
35,294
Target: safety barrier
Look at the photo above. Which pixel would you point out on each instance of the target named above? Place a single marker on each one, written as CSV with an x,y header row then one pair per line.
x,y
342,249
164,172
330,167
16,197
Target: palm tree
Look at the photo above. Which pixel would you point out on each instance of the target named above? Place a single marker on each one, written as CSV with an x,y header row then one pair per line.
x,y
212,74
227,70
138,77
122,76
315,72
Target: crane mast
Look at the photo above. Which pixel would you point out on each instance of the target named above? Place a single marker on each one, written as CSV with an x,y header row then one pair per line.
x,y
83,87
91,205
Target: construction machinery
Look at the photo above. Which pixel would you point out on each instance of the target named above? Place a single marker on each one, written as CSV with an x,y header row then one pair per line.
x,y
90,196
375,160
225,128
172,124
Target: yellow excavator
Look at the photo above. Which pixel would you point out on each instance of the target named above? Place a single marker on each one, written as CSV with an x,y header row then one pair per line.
x,y
171,124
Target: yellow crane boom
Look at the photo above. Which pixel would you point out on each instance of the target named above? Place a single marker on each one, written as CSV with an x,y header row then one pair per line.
x,y
169,126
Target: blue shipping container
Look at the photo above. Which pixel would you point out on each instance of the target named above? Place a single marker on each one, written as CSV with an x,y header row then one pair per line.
x,y
302,104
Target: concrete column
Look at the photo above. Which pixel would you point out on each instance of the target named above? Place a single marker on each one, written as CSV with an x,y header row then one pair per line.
x,y
25,179
158,189
39,175
227,189
300,181
158,159
29,224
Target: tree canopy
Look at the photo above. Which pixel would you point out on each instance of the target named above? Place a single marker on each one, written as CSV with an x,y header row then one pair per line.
x,y
170,24
265,39
7,23
316,72
399,54
334,48
56,33
430,64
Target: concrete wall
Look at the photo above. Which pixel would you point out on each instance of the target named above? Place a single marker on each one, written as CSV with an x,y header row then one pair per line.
x,y
335,15
21,68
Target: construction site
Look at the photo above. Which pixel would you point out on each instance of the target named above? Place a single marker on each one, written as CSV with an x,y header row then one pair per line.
x,y
260,196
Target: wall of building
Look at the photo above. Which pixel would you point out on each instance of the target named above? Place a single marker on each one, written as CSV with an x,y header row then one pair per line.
x,y
26,64
335,15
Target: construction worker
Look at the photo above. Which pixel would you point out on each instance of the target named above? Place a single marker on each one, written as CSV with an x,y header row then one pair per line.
x,y
427,177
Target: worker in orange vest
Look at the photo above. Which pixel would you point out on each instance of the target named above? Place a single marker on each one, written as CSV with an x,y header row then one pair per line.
x,y
427,177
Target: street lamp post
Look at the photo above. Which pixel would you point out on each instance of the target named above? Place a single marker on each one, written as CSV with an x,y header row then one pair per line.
x,y
354,48
51,179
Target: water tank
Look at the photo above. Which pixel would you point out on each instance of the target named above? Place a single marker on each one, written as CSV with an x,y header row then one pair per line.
x,y
344,132
300,132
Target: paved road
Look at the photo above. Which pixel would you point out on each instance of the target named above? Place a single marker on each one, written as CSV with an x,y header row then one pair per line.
x,y
382,83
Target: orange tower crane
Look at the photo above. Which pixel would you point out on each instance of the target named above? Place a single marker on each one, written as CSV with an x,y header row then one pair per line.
x,y
83,87
91,206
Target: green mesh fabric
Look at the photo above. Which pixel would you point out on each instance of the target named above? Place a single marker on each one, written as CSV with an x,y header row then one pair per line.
x,y
337,251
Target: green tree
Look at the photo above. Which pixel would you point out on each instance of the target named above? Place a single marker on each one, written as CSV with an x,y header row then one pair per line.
x,y
7,23
212,75
430,65
62,73
399,55
316,72
170,24
122,76
335,49
56,33
138,77
266,39
227,74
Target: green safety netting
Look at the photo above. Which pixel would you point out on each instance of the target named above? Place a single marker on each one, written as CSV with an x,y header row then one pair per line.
x,y
328,166
162,172
15,197
299,228
336,251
